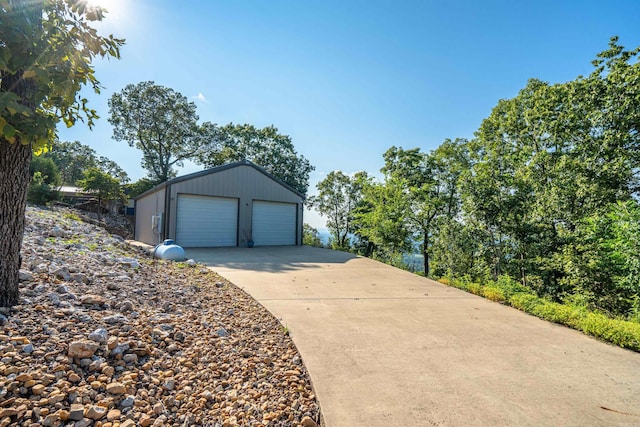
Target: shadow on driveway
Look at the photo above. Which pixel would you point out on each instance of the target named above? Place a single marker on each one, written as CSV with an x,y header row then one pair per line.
x,y
269,259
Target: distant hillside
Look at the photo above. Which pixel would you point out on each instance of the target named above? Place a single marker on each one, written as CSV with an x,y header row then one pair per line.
x,y
324,235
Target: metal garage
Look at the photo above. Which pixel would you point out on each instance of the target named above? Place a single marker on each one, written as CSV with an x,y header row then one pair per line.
x,y
205,221
228,205
274,224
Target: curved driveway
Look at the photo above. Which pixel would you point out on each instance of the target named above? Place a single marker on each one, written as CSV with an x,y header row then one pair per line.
x,y
385,347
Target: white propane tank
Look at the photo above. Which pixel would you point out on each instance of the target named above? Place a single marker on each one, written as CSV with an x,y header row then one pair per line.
x,y
169,250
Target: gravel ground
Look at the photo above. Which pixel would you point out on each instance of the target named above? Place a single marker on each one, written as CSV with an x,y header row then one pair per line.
x,y
104,336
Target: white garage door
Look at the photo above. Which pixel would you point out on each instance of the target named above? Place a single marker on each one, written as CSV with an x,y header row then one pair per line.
x,y
204,221
274,223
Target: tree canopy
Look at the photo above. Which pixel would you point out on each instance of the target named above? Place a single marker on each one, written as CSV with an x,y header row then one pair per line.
x,y
160,122
265,147
546,193
310,236
419,194
339,195
163,124
73,159
134,189
47,168
45,177
48,47
102,185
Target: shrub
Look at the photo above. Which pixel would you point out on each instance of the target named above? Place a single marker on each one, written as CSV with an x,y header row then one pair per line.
x,y
72,217
621,332
524,301
475,288
557,313
444,281
39,192
510,286
493,293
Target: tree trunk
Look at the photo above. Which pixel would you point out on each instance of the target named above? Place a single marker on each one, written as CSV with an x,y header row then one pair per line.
x,y
369,250
14,169
14,181
425,253
523,271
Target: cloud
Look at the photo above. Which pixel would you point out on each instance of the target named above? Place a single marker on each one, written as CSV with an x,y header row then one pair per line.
x,y
200,97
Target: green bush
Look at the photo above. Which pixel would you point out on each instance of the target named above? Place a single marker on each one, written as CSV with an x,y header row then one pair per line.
x,y
557,313
523,301
509,286
39,192
310,236
47,169
72,217
493,293
475,288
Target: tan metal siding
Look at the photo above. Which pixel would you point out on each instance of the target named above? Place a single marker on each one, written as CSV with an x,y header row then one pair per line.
x,y
243,182
146,207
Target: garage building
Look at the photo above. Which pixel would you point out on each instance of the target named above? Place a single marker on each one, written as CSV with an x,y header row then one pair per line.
x,y
228,205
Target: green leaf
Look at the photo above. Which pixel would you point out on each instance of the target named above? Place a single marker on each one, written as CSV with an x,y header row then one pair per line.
x,y
8,131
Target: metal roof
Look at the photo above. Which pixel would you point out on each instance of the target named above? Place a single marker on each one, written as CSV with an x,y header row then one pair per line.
x,y
217,169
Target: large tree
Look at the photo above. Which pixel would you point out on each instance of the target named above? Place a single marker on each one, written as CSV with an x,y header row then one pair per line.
x,y
110,167
339,195
549,169
160,122
265,147
102,185
74,158
379,220
427,184
45,59
47,168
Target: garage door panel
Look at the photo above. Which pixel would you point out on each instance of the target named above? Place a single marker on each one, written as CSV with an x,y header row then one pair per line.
x,y
274,224
204,221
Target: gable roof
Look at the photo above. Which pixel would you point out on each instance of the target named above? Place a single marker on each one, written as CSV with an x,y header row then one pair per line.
x,y
217,169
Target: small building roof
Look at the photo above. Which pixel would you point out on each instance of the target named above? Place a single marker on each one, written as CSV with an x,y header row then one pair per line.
x,y
69,189
220,169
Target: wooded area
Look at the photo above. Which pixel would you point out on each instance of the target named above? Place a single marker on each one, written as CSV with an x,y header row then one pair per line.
x,y
545,193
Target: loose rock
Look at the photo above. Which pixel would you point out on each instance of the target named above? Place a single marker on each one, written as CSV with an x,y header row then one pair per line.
x,y
116,319
127,341
92,299
95,412
82,349
25,276
76,412
57,232
116,388
62,273
99,336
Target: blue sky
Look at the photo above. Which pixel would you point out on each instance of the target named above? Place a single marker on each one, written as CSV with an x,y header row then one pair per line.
x,y
348,79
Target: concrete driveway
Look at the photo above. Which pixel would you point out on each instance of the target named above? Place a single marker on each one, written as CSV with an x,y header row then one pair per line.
x,y
385,347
